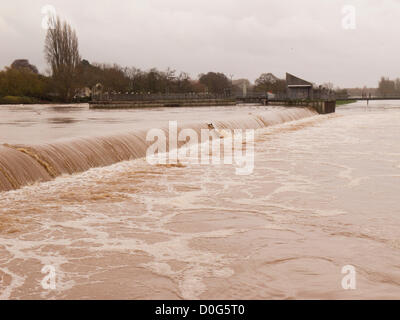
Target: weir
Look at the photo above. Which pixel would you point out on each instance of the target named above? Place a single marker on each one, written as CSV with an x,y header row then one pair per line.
x,y
22,165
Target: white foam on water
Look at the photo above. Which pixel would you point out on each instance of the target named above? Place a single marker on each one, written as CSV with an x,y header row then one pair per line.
x,y
266,235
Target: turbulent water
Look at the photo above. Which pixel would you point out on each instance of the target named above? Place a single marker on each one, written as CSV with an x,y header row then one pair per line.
x,y
22,164
323,195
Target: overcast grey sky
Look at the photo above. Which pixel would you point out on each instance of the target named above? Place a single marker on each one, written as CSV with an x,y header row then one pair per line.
x,y
244,38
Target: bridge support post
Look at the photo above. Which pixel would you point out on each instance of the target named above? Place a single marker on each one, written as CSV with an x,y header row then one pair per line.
x,y
324,107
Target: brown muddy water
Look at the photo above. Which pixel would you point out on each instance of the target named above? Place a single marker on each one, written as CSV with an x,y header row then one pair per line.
x,y
78,196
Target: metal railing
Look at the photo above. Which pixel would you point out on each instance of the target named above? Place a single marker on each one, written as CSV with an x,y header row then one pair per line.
x,y
157,96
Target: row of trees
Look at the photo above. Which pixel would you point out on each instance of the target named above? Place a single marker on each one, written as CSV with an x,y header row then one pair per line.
x,y
119,79
64,85
267,82
389,87
21,82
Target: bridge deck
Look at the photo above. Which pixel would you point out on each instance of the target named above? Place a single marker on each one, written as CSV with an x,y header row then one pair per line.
x,y
368,98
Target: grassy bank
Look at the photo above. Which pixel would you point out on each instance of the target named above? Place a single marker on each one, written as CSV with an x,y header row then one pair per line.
x,y
344,102
18,100
31,100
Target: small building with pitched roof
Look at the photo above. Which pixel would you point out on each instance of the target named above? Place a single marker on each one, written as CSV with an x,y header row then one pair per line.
x,y
298,89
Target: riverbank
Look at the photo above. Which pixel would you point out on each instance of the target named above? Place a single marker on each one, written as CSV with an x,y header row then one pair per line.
x,y
10,100
344,102
18,100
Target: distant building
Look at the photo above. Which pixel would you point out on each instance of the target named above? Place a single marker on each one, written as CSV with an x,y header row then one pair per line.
x,y
240,87
298,89
83,93
97,91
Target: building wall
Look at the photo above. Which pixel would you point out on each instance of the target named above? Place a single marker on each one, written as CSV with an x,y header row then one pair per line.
x,y
299,93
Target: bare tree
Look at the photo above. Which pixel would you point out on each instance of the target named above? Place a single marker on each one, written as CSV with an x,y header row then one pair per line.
x,y
328,85
62,54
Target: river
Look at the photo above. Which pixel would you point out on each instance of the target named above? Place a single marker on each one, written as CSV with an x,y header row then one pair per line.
x,y
324,194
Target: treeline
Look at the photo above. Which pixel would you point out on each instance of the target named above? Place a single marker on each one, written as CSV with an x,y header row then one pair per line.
x,y
389,87
115,78
267,82
23,81
16,82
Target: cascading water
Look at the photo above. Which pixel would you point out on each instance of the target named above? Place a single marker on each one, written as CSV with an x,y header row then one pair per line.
x,y
322,195
22,165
